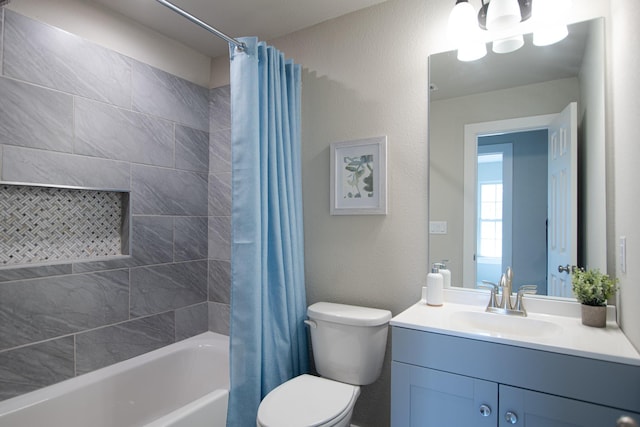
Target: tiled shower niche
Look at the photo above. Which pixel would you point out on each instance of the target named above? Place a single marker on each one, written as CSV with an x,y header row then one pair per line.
x,y
49,224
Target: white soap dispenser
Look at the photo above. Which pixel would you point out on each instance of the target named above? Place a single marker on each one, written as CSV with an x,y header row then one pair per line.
x,y
435,285
446,273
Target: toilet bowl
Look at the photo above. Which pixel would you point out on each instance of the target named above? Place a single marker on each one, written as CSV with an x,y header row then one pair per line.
x,y
308,400
348,345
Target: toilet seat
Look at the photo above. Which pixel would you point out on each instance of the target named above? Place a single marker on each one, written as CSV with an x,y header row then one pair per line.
x,y
307,401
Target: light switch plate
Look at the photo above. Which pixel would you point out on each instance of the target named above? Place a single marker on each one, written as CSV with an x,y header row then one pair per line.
x,y
437,227
623,254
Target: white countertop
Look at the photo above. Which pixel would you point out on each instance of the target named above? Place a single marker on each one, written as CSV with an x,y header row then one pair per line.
x,y
570,336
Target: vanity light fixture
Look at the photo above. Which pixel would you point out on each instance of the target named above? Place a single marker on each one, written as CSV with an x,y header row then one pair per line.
x,y
501,19
551,18
465,33
508,44
503,15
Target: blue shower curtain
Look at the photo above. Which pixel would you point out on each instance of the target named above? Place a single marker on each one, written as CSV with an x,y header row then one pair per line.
x,y
268,301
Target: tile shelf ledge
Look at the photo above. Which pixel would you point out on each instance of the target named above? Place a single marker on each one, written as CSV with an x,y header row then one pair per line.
x,y
65,187
63,262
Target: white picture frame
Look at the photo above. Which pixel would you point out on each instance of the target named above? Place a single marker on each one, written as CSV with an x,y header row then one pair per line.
x,y
358,172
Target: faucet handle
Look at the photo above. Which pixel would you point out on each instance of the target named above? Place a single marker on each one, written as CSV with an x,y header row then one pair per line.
x,y
488,285
494,289
528,289
524,289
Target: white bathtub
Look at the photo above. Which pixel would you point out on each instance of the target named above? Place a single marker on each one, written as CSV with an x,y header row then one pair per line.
x,y
184,384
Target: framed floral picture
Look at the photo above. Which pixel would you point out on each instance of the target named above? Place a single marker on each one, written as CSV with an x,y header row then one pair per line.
x,y
359,177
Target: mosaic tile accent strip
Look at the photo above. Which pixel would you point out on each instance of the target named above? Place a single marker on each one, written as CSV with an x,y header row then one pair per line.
x,y
42,224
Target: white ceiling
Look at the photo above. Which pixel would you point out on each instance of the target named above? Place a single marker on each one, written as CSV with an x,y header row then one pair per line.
x,y
266,19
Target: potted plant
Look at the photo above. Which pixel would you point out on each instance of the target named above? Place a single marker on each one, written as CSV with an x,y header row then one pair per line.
x,y
593,289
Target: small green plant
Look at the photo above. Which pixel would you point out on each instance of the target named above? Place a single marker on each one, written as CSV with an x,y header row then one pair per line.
x,y
591,287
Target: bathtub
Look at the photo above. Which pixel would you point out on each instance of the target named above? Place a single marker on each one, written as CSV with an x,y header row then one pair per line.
x,y
182,385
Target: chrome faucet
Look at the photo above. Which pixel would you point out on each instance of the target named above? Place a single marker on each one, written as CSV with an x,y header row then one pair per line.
x,y
505,306
506,286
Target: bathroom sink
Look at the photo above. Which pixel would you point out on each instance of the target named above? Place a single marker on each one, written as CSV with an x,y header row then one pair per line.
x,y
502,325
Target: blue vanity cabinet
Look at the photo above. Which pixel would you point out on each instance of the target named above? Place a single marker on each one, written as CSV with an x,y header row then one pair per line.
x,y
427,397
440,380
533,409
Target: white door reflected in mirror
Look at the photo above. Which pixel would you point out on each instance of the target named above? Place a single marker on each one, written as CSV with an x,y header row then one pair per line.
x,y
562,235
531,207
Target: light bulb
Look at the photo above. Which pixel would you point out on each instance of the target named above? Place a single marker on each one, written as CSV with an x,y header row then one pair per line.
x,y
463,30
503,15
462,22
472,50
509,44
550,20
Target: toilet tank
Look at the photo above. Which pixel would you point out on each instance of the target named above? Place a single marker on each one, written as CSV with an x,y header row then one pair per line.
x,y
348,341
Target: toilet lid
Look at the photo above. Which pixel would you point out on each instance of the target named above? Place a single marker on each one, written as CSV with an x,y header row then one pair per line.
x,y
306,401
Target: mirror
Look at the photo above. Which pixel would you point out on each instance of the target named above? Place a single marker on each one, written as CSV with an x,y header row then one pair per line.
x,y
497,96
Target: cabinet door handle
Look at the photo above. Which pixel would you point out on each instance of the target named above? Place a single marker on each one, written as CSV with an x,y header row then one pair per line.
x,y
485,410
626,422
511,417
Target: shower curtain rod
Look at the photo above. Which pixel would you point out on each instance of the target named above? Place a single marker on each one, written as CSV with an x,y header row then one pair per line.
x,y
238,44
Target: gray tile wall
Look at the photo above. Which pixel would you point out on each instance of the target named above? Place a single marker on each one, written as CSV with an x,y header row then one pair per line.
x,y
219,209
74,113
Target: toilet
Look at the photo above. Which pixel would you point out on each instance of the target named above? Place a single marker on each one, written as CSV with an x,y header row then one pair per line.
x,y
348,345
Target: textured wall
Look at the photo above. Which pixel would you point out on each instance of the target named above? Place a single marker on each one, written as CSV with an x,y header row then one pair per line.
x,y
625,45
74,113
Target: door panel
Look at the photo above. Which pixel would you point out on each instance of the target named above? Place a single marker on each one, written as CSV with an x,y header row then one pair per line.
x,y
563,199
430,398
534,409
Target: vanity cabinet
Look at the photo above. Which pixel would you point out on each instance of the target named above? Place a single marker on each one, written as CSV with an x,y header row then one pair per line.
x,y
427,397
440,380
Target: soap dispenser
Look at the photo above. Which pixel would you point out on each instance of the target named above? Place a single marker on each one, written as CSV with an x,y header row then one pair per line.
x,y
446,273
435,284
